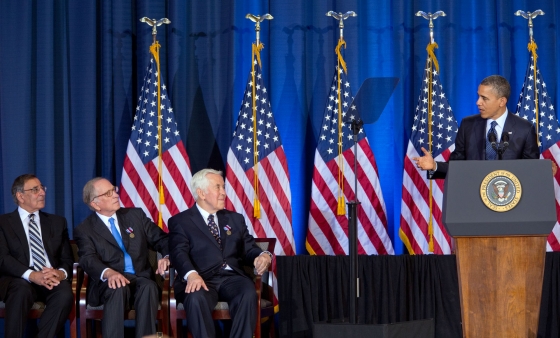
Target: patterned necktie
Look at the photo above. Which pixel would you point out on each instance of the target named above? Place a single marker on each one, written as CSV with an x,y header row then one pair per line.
x,y
128,267
37,248
491,152
214,229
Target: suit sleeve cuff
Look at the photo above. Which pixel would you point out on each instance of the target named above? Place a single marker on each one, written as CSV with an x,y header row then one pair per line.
x,y
65,273
26,275
431,172
187,275
102,274
268,253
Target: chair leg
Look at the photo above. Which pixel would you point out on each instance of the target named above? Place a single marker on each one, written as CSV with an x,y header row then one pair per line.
x,y
98,329
84,327
271,331
173,324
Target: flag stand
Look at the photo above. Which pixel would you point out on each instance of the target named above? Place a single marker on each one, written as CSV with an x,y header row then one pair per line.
x,y
356,126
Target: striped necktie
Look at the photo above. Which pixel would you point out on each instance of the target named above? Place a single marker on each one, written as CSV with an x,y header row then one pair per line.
x,y
37,248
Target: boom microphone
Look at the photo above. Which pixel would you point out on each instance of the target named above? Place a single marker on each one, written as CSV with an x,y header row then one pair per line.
x,y
492,140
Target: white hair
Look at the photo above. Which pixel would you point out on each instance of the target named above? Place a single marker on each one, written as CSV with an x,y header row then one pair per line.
x,y
200,181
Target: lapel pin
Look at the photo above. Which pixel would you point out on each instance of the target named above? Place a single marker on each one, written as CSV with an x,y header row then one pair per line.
x,y
228,230
130,232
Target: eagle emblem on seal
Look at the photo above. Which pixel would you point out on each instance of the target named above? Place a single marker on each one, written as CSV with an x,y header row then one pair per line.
x,y
501,192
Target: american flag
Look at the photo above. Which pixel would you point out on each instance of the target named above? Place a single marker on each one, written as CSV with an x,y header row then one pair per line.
x,y
548,131
274,194
327,231
140,175
415,208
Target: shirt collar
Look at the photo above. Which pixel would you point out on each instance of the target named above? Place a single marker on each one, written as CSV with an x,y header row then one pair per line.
x,y
105,219
501,121
24,214
205,214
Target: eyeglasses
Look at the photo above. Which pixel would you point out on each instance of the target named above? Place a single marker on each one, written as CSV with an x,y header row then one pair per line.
x,y
35,190
109,193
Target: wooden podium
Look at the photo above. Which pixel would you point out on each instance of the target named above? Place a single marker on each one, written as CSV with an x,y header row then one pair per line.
x,y
500,253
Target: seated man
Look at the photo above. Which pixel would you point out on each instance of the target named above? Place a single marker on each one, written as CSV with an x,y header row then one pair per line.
x,y
35,261
210,245
113,248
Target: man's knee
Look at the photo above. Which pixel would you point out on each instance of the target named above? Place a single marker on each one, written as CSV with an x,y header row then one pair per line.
x,y
148,285
115,295
20,290
64,294
196,301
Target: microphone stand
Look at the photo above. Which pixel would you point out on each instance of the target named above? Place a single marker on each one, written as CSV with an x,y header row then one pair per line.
x,y
504,144
354,290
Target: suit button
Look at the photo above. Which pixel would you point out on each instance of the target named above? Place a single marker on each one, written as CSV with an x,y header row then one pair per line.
x,y
122,255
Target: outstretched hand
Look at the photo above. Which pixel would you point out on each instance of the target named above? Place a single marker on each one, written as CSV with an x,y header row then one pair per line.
x,y
425,162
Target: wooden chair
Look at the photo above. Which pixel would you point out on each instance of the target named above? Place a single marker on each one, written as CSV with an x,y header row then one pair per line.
x,y
88,312
265,306
38,307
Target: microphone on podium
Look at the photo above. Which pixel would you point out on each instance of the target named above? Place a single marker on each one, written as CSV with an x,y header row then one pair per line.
x,y
492,139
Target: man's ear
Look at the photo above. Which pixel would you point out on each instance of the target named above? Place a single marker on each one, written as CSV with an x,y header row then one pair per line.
x,y
94,205
503,101
19,196
200,193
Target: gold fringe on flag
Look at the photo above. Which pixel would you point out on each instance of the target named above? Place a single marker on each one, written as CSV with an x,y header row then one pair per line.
x,y
256,205
341,208
431,62
532,47
154,49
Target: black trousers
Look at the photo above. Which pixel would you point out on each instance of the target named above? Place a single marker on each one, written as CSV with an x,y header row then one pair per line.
x,y
20,297
238,291
143,293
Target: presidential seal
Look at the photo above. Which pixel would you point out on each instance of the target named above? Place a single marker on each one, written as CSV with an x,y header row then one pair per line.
x,y
500,190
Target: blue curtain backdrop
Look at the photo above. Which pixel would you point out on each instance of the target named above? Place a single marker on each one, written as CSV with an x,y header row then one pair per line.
x,y
70,72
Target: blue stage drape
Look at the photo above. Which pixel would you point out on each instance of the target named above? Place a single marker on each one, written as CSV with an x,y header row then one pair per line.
x,y
70,73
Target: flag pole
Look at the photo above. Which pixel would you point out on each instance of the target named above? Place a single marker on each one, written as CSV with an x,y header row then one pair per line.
x,y
256,52
341,65
354,289
154,49
431,64
532,47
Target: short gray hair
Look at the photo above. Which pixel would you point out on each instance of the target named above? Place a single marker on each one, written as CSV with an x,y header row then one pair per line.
x,y
18,185
200,181
89,191
499,85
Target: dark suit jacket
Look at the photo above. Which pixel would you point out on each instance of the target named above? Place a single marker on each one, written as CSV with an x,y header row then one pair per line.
x,y
194,247
99,250
14,246
470,143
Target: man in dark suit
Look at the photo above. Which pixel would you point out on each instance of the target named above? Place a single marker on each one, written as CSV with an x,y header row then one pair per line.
x,y
35,261
210,245
113,248
471,142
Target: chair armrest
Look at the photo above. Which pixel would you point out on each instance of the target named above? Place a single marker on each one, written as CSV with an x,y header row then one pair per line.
x,y
166,291
171,274
75,277
83,291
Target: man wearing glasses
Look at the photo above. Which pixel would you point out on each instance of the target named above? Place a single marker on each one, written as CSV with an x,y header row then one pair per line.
x,y
113,247
35,261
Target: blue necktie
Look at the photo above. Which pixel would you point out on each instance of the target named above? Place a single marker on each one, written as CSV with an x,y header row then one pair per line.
x,y
128,267
490,152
